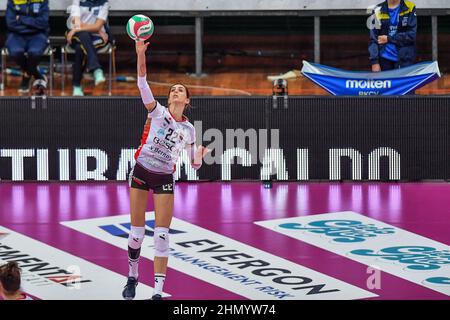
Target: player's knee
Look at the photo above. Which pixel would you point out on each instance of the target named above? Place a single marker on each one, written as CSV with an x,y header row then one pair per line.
x,y
161,242
136,237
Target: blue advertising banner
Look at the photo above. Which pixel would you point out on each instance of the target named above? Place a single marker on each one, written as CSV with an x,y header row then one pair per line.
x,y
354,83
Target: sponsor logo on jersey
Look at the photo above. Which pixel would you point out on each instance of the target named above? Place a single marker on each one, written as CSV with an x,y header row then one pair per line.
x,y
166,144
160,152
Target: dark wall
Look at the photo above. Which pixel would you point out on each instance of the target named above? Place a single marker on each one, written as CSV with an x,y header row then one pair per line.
x,y
415,129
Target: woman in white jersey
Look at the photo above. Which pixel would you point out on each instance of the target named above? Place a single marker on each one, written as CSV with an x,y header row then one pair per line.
x,y
10,282
166,133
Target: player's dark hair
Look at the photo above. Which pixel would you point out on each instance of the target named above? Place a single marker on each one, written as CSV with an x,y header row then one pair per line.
x,y
10,277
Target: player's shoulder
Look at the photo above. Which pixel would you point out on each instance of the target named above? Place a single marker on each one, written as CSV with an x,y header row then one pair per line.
x,y
190,131
24,296
159,109
188,123
158,104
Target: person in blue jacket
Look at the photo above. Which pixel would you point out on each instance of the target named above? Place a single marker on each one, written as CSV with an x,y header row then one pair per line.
x,y
28,28
393,42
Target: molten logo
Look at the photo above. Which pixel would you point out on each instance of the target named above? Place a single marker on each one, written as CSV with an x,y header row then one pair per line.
x,y
145,28
368,84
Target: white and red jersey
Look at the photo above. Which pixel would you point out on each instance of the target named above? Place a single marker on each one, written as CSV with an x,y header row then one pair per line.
x,y
163,140
21,296
24,296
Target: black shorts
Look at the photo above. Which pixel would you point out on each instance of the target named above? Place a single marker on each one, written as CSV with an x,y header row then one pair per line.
x,y
141,178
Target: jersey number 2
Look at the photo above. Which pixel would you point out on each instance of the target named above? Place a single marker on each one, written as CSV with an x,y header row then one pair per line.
x,y
169,135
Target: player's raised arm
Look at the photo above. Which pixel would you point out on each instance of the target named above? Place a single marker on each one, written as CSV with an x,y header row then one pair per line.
x,y
146,93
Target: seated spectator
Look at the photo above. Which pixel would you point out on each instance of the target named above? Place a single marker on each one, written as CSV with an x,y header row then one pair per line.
x,y
10,282
28,27
87,35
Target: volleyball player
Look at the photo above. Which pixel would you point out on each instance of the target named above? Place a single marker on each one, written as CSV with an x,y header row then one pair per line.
x,y
167,132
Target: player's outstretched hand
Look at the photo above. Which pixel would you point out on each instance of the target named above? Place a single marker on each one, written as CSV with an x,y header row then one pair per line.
x,y
200,154
141,47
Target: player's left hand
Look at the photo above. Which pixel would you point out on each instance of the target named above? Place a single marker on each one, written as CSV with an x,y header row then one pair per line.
x,y
382,39
200,154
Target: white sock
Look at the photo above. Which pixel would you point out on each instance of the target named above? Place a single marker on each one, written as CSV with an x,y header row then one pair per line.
x,y
133,270
134,249
159,283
